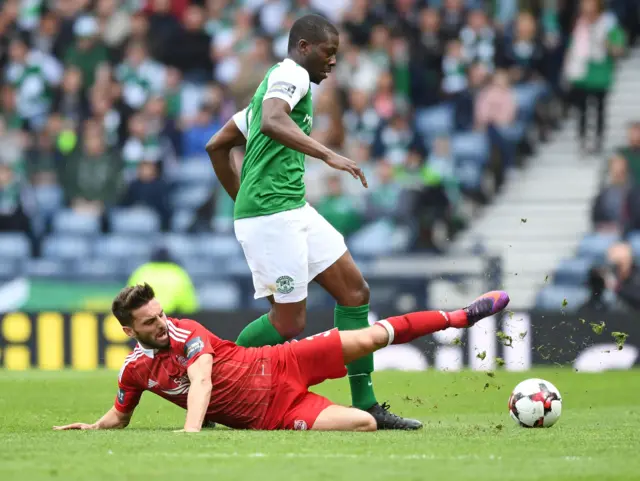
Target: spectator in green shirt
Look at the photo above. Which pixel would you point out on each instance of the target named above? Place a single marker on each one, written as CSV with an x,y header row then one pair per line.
x,y
88,53
631,151
596,41
339,209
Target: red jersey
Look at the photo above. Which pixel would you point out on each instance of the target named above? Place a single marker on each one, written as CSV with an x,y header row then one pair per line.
x,y
241,377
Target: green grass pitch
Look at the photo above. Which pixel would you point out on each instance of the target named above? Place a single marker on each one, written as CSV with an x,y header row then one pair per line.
x,y
468,434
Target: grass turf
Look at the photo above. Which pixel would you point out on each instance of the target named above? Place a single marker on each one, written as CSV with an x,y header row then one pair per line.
x,y
468,434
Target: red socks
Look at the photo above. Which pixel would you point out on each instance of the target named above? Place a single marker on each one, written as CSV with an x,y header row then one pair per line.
x,y
406,328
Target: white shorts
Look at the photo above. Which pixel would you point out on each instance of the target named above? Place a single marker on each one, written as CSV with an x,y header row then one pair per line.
x,y
287,250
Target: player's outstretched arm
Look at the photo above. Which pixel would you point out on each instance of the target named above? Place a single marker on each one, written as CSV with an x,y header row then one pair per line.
x,y
277,123
199,392
219,150
113,419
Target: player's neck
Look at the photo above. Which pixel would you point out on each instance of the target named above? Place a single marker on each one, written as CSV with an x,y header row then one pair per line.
x,y
150,348
294,57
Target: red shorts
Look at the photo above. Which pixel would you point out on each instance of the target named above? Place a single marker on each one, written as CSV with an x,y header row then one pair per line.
x,y
298,365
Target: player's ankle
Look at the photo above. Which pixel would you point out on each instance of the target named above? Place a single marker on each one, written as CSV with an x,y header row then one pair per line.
x,y
458,319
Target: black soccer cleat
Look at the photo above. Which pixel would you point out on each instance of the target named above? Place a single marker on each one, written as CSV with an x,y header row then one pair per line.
x,y
486,305
387,420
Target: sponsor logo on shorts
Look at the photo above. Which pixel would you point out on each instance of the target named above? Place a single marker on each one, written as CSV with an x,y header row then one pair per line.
x,y
284,284
283,88
193,347
300,425
121,396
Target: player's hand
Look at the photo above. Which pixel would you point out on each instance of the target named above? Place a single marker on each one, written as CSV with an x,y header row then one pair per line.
x,y
187,430
342,163
81,426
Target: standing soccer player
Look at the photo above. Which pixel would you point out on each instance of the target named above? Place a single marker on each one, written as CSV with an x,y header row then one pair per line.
x,y
287,244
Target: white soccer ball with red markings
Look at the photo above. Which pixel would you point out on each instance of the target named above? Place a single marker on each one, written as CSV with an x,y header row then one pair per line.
x,y
535,403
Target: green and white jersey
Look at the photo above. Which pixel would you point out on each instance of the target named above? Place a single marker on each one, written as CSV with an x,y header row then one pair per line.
x,y
33,82
139,83
272,178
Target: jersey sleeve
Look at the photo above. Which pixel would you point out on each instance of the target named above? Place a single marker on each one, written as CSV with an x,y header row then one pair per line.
x,y
241,121
129,391
190,340
288,82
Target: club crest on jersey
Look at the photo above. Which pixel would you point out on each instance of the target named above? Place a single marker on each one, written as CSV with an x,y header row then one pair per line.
x,y
300,425
182,360
284,284
193,347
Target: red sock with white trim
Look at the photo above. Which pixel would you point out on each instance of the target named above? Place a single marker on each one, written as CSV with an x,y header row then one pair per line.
x,y
406,328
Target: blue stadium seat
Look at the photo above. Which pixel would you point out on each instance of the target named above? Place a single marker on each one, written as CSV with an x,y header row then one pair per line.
x,y
634,241
573,272
180,246
194,171
471,146
182,219
527,95
236,266
134,220
552,298
435,121
47,268
217,246
594,246
68,221
49,198
202,270
127,265
14,245
99,269
219,295
469,173
190,197
123,247
59,246
378,238
10,268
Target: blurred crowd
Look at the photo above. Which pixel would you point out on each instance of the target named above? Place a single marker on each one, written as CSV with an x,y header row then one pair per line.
x,y
108,105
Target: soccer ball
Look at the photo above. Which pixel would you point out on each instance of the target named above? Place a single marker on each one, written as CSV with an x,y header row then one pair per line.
x,y
535,403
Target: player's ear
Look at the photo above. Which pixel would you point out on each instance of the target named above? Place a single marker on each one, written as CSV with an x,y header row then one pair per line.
x,y
303,46
128,331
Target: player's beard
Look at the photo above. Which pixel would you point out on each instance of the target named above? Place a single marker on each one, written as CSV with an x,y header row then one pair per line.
x,y
156,340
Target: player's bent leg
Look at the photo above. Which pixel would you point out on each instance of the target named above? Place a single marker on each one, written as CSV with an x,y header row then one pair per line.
x,y
341,418
344,281
289,319
275,247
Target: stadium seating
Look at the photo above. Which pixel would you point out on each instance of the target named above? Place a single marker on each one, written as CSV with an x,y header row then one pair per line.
x,y
14,246
66,247
135,220
68,221
573,272
594,246
435,121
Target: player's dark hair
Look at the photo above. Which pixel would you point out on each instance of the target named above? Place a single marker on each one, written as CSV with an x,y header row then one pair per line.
x,y
128,300
313,28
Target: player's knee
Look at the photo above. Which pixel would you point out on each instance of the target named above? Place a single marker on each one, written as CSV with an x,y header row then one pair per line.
x,y
358,295
288,325
366,423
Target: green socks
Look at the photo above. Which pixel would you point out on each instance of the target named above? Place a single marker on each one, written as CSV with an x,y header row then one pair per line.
x,y
349,319
260,333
